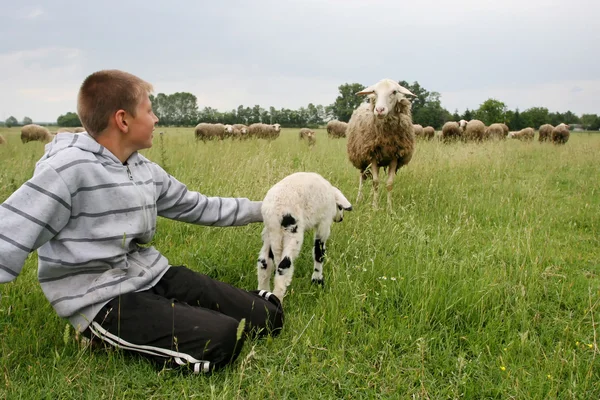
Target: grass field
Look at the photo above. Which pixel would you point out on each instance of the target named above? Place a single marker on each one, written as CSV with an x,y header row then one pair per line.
x,y
483,283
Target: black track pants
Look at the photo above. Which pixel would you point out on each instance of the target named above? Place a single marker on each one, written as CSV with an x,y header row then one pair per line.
x,y
187,319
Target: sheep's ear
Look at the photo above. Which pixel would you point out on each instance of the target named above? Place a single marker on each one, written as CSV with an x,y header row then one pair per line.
x,y
341,200
368,90
405,91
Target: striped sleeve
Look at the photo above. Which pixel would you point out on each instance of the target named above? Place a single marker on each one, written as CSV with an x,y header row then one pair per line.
x,y
177,202
31,216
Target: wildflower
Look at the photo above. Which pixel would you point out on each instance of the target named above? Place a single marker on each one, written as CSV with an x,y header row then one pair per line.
x,y
503,368
384,278
576,343
364,270
549,376
393,278
590,345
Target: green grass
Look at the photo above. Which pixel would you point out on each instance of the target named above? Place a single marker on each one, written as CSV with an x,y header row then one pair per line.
x,y
483,283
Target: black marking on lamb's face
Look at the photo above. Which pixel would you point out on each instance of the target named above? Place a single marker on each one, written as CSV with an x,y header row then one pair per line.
x,y
271,256
283,265
294,229
263,263
319,250
288,220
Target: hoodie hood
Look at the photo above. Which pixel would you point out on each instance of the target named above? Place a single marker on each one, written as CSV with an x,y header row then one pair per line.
x,y
83,141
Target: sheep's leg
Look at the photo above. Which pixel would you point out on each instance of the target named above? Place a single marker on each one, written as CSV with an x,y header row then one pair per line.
x,y
375,172
321,236
265,265
362,178
292,243
390,182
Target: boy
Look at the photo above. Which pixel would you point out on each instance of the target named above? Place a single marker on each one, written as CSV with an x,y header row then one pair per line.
x,y
90,204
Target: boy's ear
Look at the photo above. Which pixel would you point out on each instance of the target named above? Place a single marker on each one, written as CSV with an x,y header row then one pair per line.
x,y
121,120
341,200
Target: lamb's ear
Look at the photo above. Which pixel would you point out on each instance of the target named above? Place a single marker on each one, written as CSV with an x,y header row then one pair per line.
x,y
405,91
341,200
368,90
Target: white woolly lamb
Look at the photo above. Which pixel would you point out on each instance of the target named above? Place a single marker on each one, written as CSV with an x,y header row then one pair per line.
x,y
299,202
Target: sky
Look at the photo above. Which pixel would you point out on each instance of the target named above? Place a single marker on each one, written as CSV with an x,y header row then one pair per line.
x,y
526,53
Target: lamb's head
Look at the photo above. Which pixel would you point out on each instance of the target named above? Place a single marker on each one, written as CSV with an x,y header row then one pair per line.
x,y
277,127
342,204
384,95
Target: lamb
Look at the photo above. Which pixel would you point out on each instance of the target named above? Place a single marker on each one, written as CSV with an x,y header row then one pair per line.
x,y
560,134
418,129
475,130
297,203
545,133
264,131
33,132
451,132
526,134
496,131
381,134
206,132
309,135
428,133
336,129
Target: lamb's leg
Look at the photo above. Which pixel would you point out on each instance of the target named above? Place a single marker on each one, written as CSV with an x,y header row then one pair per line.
x,y
292,243
265,265
321,236
362,178
375,172
390,182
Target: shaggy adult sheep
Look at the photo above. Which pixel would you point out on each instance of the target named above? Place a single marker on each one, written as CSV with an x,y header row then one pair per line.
x,y
428,133
496,131
451,132
525,135
474,131
545,134
240,131
308,135
381,134
505,128
264,131
418,130
462,124
33,132
204,131
297,203
560,134
336,129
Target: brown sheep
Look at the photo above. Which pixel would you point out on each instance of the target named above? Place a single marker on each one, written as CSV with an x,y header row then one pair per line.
x,y
33,132
336,129
474,131
380,133
526,134
428,133
560,134
204,131
545,133
418,129
496,131
309,135
264,131
451,132
240,131
505,128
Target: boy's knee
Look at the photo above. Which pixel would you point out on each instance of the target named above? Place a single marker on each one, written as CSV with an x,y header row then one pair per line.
x,y
227,347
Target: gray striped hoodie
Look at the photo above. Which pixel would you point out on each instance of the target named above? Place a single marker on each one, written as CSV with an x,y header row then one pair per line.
x,y
88,214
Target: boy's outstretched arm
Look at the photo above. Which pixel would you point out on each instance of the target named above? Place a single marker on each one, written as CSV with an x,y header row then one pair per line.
x,y
31,216
177,202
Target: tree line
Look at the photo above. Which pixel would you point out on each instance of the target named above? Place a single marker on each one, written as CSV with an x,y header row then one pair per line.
x,y
181,109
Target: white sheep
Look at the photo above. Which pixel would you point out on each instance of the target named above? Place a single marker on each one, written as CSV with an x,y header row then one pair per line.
x,y
297,203
264,131
380,133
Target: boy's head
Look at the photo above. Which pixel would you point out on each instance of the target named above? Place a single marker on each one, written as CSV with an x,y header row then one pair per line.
x,y
103,93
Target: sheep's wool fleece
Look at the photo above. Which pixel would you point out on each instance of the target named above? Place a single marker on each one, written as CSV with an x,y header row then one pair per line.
x,y
90,213
381,140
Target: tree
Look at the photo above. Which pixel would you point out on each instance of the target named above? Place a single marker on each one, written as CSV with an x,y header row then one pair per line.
x,y
11,121
588,121
422,95
491,111
27,121
535,117
347,101
431,113
468,115
69,119
456,116
515,120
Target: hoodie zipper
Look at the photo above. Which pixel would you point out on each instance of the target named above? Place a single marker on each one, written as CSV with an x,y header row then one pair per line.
x,y
141,196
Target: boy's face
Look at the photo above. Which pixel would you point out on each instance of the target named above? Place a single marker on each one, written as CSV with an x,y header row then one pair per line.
x,y
141,126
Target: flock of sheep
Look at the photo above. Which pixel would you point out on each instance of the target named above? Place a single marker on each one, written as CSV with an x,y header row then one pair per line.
x,y
204,131
34,132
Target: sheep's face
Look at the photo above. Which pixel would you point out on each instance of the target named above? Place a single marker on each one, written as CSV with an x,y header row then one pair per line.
x,y
384,96
244,131
342,204
277,127
228,128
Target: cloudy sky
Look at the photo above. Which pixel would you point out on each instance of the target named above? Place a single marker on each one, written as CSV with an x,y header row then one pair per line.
x,y
290,53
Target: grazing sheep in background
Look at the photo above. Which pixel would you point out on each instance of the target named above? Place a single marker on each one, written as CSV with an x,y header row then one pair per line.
x,y
33,132
462,125
381,134
264,131
560,134
428,132
309,135
525,135
228,132
240,131
496,131
297,203
204,131
505,128
451,132
475,130
2,140
418,130
545,133
336,129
